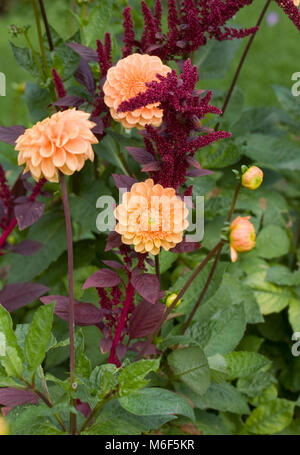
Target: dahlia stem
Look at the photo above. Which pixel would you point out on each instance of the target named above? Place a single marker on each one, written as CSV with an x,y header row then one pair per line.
x,y
47,27
128,300
210,277
35,57
157,268
214,266
242,61
180,294
71,294
39,30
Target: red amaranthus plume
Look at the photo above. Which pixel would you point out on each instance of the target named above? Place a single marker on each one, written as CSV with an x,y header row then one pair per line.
x,y
181,133
189,27
291,10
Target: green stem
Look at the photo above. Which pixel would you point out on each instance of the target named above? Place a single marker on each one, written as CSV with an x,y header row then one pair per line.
x,y
39,29
94,412
34,54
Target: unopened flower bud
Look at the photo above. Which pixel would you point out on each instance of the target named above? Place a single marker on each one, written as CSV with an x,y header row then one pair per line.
x,y
242,236
170,299
4,430
252,178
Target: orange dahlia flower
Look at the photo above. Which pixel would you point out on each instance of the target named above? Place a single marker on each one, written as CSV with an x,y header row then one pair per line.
x,y
296,2
242,236
253,177
126,80
151,217
61,142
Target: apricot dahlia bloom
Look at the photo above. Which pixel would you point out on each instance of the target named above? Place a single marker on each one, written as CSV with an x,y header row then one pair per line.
x,y
126,80
296,2
242,236
151,217
61,142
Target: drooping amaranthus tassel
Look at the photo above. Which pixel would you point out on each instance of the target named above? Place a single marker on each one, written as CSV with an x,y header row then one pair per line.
x,y
291,10
59,85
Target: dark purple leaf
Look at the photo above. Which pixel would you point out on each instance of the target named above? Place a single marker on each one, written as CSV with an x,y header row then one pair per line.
x,y
85,313
85,52
144,319
9,396
84,76
186,247
27,247
193,162
152,167
113,264
113,241
140,155
123,181
84,408
10,134
147,286
139,346
69,101
103,278
27,213
99,128
105,345
121,350
17,295
198,172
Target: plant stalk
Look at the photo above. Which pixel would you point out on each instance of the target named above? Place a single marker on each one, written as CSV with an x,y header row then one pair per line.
x,y
47,27
242,61
71,293
42,47
179,296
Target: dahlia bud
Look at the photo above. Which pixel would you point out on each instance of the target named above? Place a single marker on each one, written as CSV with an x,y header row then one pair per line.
x,y
170,299
242,236
252,178
4,430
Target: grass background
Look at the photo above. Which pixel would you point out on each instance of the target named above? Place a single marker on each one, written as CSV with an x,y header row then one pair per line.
x,y
273,58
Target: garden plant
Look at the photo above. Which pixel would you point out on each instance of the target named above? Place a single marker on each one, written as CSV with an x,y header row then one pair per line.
x,y
149,226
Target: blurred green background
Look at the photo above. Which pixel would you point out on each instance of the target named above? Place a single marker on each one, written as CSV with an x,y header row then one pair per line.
x,y
273,58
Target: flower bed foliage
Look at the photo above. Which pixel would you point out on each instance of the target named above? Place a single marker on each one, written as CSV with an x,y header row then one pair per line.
x,y
136,330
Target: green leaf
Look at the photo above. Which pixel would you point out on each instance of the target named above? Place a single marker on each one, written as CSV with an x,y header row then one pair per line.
x,y
12,356
49,230
214,59
210,424
256,383
270,417
194,290
132,376
223,397
281,275
278,153
99,19
219,155
156,401
270,298
38,336
115,420
83,364
37,99
166,259
294,314
289,102
190,366
65,61
272,242
242,364
31,419
25,59
104,378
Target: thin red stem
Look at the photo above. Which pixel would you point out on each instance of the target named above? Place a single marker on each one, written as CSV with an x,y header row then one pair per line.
x,y
242,61
71,293
128,300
